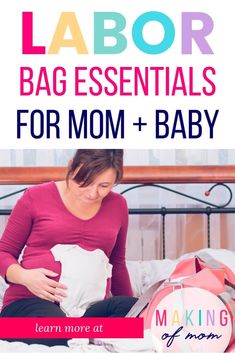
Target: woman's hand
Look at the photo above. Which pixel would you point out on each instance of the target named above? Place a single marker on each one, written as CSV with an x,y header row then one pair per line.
x,y
38,283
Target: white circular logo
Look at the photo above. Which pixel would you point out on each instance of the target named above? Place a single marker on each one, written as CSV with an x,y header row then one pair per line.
x,y
191,320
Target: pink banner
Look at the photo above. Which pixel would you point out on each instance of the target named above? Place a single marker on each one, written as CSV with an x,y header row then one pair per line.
x,y
71,327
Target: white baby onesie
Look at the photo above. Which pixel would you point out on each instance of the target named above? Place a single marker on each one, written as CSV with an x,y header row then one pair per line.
x,y
85,274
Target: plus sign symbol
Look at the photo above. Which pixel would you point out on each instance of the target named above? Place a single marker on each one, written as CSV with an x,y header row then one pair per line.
x,y
140,124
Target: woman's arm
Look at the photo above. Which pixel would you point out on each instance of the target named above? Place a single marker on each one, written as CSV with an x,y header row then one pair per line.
x,y
37,282
120,277
16,233
12,243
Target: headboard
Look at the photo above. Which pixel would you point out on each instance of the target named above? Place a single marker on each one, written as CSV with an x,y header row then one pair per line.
x,y
144,176
132,174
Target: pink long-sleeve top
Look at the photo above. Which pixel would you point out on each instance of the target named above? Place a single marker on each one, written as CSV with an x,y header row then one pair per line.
x,y
40,220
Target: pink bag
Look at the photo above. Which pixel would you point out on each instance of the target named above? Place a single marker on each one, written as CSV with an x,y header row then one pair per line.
x,y
198,272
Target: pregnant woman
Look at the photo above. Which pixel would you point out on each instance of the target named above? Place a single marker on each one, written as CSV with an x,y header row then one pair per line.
x,y
58,226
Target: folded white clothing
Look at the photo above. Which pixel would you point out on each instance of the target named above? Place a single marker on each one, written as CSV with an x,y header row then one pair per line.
x,y
85,274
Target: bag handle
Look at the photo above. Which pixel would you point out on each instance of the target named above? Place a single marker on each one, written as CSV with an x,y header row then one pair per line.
x,y
144,299
210,260
213,263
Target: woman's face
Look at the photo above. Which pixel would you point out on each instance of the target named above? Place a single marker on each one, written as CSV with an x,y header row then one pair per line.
x,y
97,190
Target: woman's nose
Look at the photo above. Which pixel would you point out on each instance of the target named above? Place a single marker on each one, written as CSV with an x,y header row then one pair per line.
x,y
92,192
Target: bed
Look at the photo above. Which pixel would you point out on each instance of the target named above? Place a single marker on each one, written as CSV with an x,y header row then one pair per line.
x,y
142,273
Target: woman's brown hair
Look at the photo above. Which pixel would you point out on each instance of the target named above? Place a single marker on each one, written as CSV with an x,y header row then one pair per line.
x,y
87,164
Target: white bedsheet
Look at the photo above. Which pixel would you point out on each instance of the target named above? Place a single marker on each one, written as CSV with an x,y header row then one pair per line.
x,y
142,275
18,347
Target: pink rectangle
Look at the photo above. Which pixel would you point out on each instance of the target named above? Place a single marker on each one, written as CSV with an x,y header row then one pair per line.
x,y
71,328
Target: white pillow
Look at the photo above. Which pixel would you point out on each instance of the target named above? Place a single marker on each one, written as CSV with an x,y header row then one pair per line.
x,y
144,273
